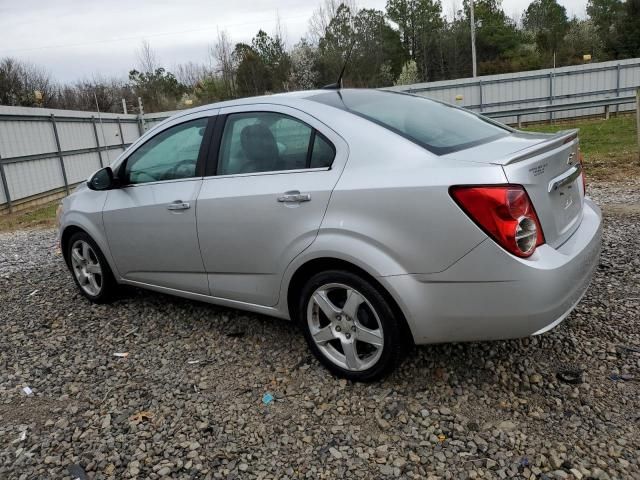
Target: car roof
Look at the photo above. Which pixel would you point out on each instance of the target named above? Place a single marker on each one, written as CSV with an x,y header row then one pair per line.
x,y
286,98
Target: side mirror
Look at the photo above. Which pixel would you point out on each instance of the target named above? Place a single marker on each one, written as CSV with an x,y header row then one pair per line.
x,y
102,180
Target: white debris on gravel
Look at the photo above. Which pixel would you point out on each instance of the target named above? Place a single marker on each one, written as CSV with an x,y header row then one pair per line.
x,y
481,410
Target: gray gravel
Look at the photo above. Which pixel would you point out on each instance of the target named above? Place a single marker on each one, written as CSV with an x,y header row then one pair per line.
x,y
187,400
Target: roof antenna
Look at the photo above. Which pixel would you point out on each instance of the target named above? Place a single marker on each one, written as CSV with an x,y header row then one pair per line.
x,y
338,84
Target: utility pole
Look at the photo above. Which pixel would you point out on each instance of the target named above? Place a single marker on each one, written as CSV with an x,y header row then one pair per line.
x,y
473,38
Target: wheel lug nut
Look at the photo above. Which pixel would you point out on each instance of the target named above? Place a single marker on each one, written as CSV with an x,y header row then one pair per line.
x,y
338,328
353,329
348,335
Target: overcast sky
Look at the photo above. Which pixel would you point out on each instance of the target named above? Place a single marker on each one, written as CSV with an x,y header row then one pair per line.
x,y
75,39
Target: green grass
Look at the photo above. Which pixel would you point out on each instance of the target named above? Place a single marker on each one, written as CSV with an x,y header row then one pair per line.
x,y
609,146
39,218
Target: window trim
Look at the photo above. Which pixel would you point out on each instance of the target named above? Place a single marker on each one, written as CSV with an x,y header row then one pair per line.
x,y
212,166
203,153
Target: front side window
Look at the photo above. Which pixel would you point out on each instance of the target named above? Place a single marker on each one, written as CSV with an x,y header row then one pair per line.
x,y
266,142
170,155
438,127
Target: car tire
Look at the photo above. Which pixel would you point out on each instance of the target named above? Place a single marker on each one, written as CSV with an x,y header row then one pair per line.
x,y
90,269
350,327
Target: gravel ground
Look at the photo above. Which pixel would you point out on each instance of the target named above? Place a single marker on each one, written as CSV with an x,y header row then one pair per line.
x,y
187,400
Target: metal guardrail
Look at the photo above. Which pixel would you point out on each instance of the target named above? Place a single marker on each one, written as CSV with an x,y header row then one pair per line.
x,y
520,112
549,77
525,77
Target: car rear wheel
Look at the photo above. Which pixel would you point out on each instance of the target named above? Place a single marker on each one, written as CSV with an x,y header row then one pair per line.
x,y
349,326
90,269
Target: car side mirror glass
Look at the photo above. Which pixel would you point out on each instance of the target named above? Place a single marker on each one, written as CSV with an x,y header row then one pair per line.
x,y
102,180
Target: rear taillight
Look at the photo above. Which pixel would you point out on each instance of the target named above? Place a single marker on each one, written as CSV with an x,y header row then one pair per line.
x,y
583,175
505,213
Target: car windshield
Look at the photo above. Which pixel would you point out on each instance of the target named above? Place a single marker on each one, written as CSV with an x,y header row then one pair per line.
x,y
438,127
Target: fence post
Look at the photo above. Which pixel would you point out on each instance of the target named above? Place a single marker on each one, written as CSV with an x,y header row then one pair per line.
x,y
551,95
121,135
480,86
617,86
5,187
140,116
606,112
95,134
60,156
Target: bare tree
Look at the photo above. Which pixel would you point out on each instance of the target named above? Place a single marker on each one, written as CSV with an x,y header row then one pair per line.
x,y
190,73
280,31
221,54
147,58
323,15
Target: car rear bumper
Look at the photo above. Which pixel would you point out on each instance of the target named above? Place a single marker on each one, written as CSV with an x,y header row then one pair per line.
x,y
490,294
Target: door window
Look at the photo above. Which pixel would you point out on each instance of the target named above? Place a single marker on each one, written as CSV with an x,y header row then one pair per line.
x,y
170,155
268,141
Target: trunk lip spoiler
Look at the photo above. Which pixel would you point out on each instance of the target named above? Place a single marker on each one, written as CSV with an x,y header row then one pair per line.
x,y
554,141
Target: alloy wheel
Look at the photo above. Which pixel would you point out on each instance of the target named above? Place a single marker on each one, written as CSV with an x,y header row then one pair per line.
x,y
86,267
345,327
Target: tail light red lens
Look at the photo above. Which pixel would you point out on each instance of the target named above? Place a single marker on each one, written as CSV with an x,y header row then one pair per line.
x,y
505,213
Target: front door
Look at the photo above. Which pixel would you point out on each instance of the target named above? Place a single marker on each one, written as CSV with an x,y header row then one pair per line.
x,y
276,169
150,221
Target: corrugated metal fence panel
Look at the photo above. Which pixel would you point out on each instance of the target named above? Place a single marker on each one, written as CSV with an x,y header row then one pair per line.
x,y
108,133
112,154
18,138
130,132
80,166
33,177
75,135
3,198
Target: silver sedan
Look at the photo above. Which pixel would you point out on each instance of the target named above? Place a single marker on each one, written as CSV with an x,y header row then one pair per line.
x,y
374,220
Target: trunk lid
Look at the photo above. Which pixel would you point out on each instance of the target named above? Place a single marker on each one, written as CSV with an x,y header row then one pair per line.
x,y
548,167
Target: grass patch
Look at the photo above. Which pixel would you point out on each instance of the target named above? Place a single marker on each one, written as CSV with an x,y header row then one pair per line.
x,y
609,146
43,217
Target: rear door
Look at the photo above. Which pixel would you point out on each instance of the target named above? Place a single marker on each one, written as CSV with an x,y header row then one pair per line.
x,y
265,197
150,221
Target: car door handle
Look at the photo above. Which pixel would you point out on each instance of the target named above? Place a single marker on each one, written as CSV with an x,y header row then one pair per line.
x,y
294,196
179,205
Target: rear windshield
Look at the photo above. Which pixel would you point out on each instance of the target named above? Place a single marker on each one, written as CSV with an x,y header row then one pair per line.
x,y
438,127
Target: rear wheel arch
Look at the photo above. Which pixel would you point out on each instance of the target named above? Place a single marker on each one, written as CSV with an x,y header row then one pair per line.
x,y
317,265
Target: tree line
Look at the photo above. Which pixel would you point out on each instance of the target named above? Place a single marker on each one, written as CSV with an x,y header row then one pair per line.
x,y
410,41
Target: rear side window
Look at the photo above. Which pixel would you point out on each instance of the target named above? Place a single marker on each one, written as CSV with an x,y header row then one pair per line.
x,y
322,153
267,141
438,127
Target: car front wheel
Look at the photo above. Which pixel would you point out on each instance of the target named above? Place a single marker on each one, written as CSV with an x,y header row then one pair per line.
x,y
350,326
90,269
